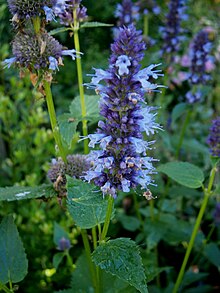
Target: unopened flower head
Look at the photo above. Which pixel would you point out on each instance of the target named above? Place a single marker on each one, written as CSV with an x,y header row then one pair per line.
x,y
36,52
75,167
64,10
122,162
214,138
64,244
26,9
172,32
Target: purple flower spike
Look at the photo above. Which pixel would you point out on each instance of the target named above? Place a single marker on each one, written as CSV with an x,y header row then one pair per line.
x,y
214,138
122,162
172,31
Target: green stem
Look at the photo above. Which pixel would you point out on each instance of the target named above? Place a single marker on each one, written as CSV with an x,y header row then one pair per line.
x,y
69,259
136,206
37,24
183,131
108,218
146,25
207,193
53,120
80,82
151,202
5,288
89,259
94,237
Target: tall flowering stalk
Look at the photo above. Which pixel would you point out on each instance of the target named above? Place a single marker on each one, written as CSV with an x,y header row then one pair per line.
x,y
71,13
122,163
171,33
199,62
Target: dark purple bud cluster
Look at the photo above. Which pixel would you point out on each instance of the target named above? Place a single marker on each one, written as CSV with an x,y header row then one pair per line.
x,y
127,13
199,59
122,162
172,31
64,244
214,138
26,9
75,167
64,10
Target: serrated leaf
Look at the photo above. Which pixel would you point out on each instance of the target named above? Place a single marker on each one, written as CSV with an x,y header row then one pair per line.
x,y
184,173
59,233
59,30
13,260
120,257
94,24
19,192
178,110
85,203
212,252
57,258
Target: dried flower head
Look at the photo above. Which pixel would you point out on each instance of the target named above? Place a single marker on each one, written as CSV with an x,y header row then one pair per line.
x,y
36,52
76,166
25,9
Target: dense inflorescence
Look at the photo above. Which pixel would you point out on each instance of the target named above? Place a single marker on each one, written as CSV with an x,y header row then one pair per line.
x,y
64,10
122,162
25,9
172,31
127,13
214,138
75,167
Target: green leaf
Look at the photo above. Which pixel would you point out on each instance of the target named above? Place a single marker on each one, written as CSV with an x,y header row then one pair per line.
x,y
110,283
121,258
19,192
85,203
68,122
59,233
94,24
57,258
178,110
128,222
65,291
212,252
184,173
67,125
191,277
13,260
59,30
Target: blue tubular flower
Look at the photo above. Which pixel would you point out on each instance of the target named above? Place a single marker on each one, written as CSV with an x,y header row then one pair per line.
x,y
122,162
214,138
147,6
127,13
171,33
